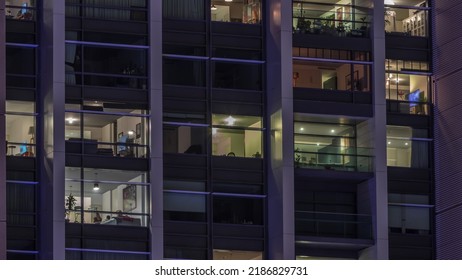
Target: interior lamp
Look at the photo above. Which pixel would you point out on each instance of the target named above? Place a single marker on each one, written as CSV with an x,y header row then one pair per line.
x,y
213,8
96,187
228,0
389,2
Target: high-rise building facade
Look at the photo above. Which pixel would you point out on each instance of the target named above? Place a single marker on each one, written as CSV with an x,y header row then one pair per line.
x,y
227,129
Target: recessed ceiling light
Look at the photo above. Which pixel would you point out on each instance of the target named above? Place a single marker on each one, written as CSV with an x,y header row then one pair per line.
x,y
228,0
406,143
389,142
301,129
332,131
230,120
70,120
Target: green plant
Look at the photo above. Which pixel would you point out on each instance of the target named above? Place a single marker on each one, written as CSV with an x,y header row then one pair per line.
x,y
70,202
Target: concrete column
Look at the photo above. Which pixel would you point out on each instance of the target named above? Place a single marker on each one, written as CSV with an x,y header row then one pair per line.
x,y
156,155
2,134
51,157
280,138
377,186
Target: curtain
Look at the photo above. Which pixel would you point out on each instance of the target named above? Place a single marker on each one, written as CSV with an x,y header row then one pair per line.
x,y
419,154
184,9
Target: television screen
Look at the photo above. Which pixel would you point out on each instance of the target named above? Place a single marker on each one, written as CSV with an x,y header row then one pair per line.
x,y
414,97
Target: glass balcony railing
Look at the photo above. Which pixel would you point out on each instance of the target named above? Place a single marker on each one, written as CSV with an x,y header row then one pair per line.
x,y
118,149
328,157
334,20
333,224
18,12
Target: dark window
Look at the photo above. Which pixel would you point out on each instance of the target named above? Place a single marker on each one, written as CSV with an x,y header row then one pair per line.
x,y
237,210
237,76
184,9
184,72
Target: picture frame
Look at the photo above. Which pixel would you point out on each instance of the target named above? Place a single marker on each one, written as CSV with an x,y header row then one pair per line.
x,y
347,12
340,14
129,198
138,130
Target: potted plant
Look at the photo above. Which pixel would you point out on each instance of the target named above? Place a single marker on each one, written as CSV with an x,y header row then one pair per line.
x,y
70,205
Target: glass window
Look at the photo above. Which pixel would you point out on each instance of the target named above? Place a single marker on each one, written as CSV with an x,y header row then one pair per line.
x,y
407,22
237,210
184,139
239,136
107,134
410,91
20,61
404,150
184,207
133,10
184,9
332,19
106,197
241,11
184,185
236,255
331,75
20,134
409,219
237,188
184,72
332,146
237,76
20,9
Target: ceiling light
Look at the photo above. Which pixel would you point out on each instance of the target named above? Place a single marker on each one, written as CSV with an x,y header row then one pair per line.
x,y
230,120
332,131
228,0
406,143
70,120
389,142
96,187
389,2
213,8
131,132
301,129
317,144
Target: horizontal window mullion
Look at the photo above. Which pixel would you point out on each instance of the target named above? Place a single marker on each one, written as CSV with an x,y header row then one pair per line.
x,y
179,56
258,196
234,60
21,182
186,124
107,113
108,45
411,205
107,182
107,251
238,127
187,192
332,60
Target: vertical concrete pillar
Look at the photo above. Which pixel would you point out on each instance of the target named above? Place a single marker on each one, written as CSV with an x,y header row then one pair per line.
x,y
51,102
281,228
156,148
377,187
2,134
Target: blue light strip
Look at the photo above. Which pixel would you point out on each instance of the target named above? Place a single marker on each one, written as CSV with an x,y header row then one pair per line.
x,y
97,44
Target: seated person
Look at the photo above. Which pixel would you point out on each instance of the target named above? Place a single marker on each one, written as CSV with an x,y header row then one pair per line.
x,y
97,219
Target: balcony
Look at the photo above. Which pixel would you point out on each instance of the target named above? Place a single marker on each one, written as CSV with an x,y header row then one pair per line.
x,y
338,225
338,158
